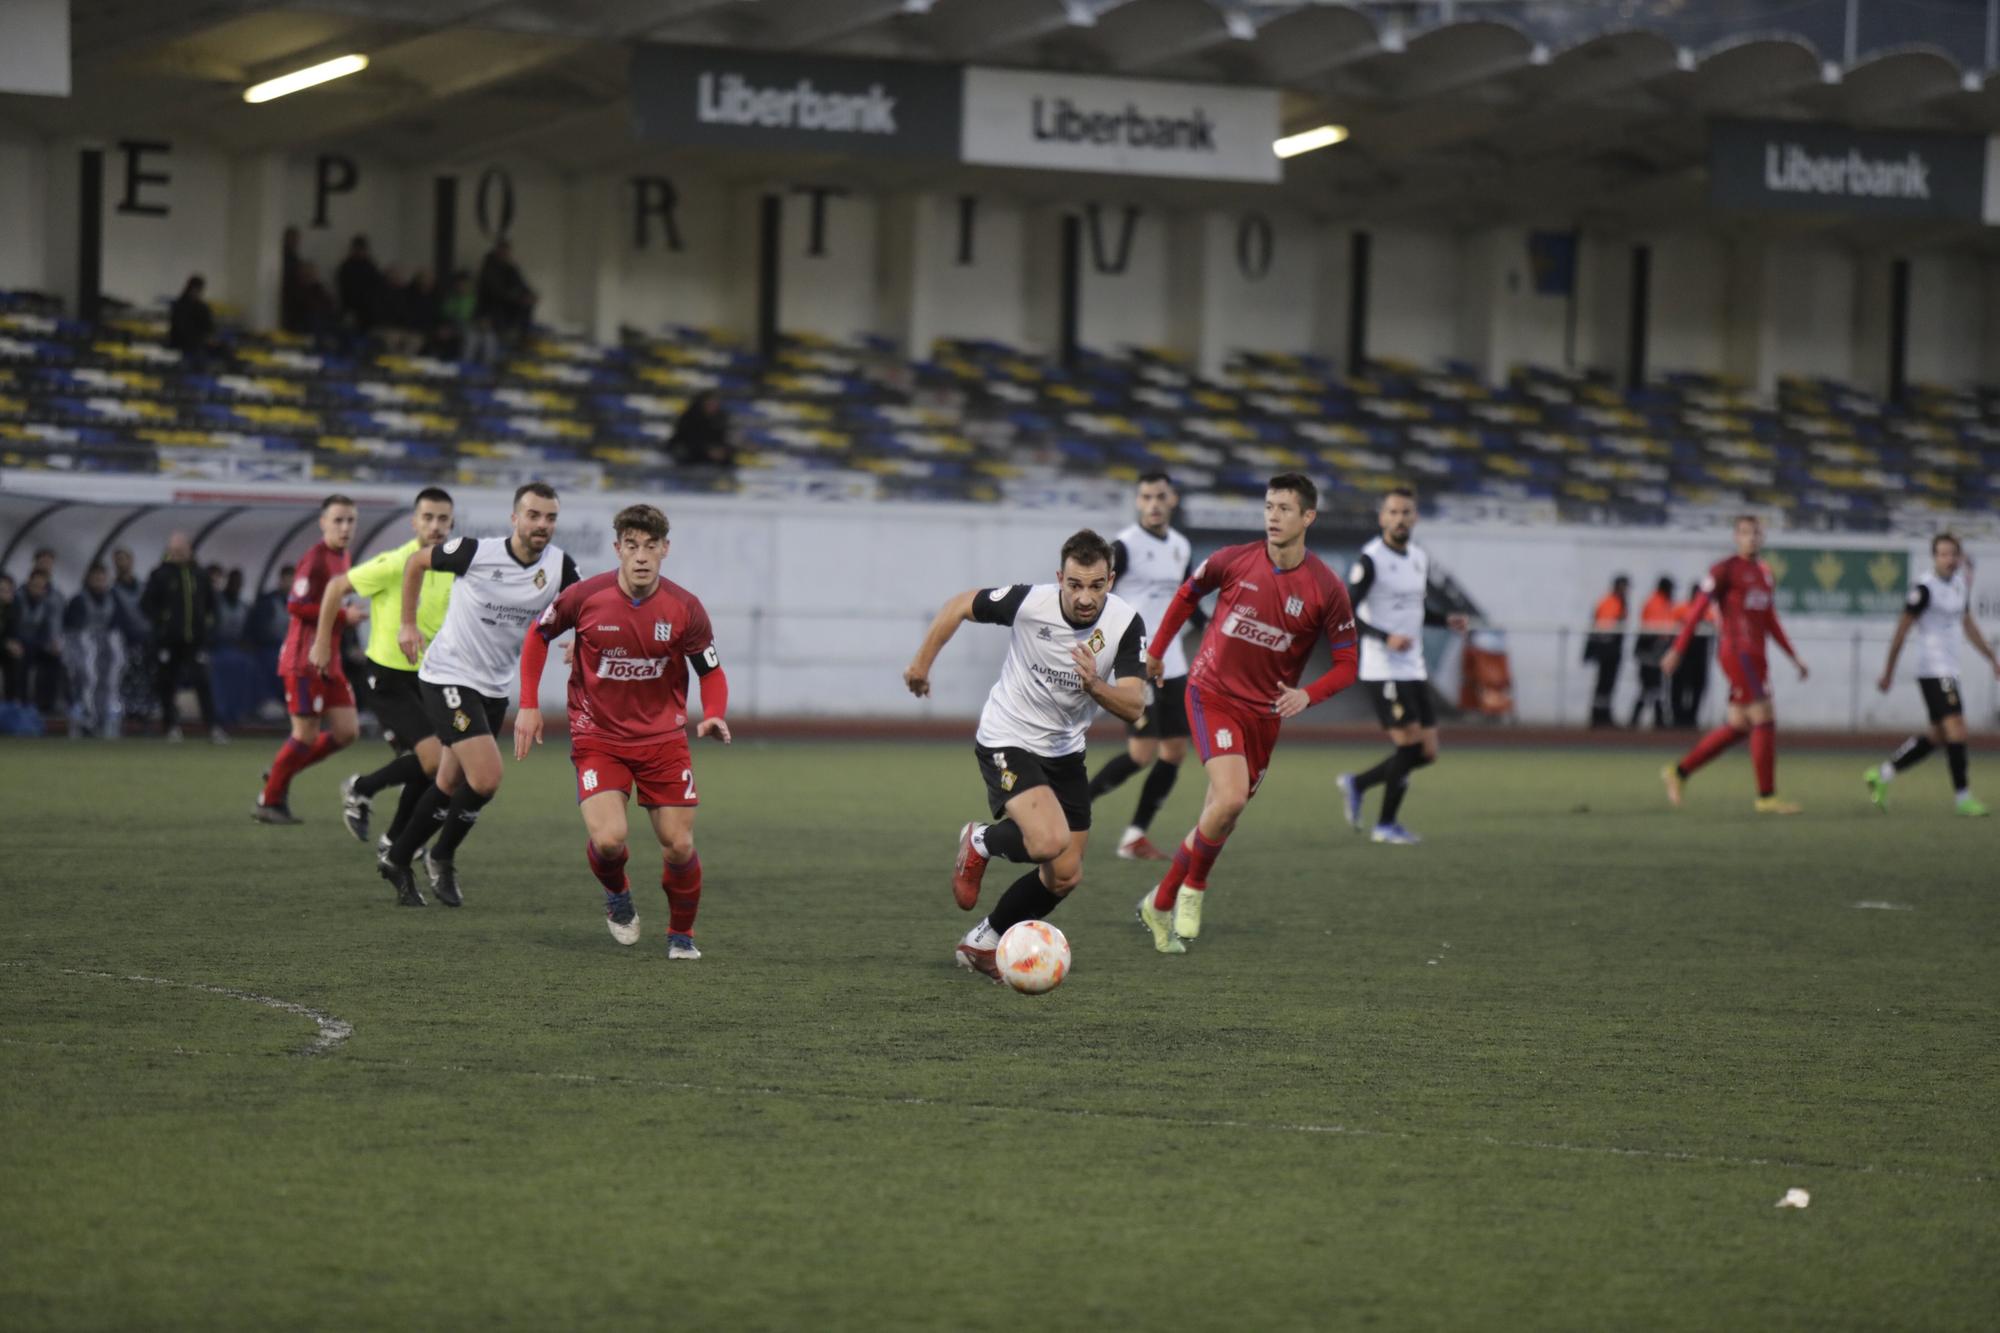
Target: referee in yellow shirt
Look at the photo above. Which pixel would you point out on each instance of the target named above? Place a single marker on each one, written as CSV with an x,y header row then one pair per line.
x,y
392,677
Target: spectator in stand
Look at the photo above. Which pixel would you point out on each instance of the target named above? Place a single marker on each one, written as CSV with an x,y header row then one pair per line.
x,y
398,328
291,317
701,435
319,318
181,616
95,633
422,312
13,654
40,631
464,335
191,324
363,290
506,301
1606,647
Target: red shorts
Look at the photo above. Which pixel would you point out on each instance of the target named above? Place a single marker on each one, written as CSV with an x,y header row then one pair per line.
x,y
308,693
665,777
1749,674
1222,726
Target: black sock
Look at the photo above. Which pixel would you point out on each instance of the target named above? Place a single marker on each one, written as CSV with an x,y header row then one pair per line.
x,y
1153,795
1382,772
1408,759
459,819
403,768
1026,899
424,820
413,792
1006,841
1116,769
1954,753
1911,752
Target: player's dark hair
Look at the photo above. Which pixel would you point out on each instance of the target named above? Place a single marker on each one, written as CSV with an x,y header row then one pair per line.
x,y
1298,484
1404,492
336,499
639,518
1944,537
1087,549
1147,478
539,489
436,495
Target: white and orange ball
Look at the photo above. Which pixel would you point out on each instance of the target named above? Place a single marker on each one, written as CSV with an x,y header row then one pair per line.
x,y
1033,957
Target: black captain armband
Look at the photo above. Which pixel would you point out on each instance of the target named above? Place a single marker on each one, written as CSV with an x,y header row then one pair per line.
x,y
999,606
1918,600
706,660
569,573
455,555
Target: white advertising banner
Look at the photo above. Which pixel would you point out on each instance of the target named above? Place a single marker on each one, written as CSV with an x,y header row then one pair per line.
x,y
1068,122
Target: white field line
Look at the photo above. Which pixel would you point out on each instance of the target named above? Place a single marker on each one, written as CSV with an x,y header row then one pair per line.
x,y
332,1031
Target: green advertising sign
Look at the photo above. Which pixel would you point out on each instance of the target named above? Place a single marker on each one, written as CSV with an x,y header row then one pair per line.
x,y
1817,581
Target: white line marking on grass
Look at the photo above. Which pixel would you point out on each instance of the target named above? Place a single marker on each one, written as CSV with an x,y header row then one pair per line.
x,y
1877,905
332,1031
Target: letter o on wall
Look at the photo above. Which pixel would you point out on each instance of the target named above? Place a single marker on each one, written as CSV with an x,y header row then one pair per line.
x,y
1256,243
493,204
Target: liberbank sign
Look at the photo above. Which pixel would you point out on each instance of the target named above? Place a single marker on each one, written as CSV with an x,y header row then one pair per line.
x,y
1777,166
712,96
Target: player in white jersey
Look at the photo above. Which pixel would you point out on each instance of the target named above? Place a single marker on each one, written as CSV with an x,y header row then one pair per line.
x,y
1149,562
1071,639
502,587
1939,609
1389,583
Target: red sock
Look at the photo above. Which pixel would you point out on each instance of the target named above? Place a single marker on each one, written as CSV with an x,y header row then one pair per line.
x,y
321,748
683,886
1202,861
291,758
1708,747
1764,754
1170,883
610,871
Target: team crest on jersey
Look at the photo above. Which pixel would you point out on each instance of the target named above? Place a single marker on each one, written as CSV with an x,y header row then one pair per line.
x,y
541,579
1224,740
663,632
1096,641
1294,605
459,721
1007,780
1046,633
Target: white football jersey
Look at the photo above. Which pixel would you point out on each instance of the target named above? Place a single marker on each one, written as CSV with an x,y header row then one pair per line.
x,y
1939,606
494,601
1150,571
1388,587
1039,703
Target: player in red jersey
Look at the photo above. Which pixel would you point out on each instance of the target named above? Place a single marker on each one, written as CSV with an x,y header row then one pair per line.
x,y
1742,589
636,633
312,696
1276,599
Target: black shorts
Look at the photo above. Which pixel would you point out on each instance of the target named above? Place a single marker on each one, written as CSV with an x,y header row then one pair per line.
x,y
1941,697
1166,717
399,706
1401,703
458,712
1010,772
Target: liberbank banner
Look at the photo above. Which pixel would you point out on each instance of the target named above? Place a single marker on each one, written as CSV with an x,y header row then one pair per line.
x,y
1786,167
701,95
1065,122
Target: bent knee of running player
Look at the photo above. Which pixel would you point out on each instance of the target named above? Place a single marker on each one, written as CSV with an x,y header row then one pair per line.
x,y
1044,827
1065,872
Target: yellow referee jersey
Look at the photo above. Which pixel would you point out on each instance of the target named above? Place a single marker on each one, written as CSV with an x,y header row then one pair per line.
x,y
381,581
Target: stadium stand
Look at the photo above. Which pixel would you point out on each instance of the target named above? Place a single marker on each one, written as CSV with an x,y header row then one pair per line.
x,y
976,416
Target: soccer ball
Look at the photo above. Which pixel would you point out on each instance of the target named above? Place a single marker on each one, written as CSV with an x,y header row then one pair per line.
x,y
1033,957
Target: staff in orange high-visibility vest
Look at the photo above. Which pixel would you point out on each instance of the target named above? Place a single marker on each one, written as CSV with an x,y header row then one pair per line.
x,y
1690,679
1606,647
1657,628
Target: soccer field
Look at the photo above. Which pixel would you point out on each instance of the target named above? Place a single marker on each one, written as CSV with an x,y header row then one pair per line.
x,y
1550,1070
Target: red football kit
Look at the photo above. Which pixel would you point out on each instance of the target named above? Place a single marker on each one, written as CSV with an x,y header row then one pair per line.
x,y
628,685
1745,595
1265,625
309,692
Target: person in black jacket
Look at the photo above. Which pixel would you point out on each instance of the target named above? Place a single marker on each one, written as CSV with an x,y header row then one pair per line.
x,y
363,290
180,611
701,435
506,301
191,324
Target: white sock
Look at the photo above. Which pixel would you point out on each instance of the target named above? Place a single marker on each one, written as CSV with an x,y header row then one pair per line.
x,y
1887,771
979,838
1132,834
1964,793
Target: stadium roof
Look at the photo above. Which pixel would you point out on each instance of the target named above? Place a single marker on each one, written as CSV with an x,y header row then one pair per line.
x,y
1460,112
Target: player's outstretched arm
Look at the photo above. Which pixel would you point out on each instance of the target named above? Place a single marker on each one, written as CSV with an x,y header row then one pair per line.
x,y
1671,661
917,675
528,720
409,638
1903,624
321,652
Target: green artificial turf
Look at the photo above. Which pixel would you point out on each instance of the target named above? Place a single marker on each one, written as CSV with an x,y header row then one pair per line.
x,y
1551,1070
